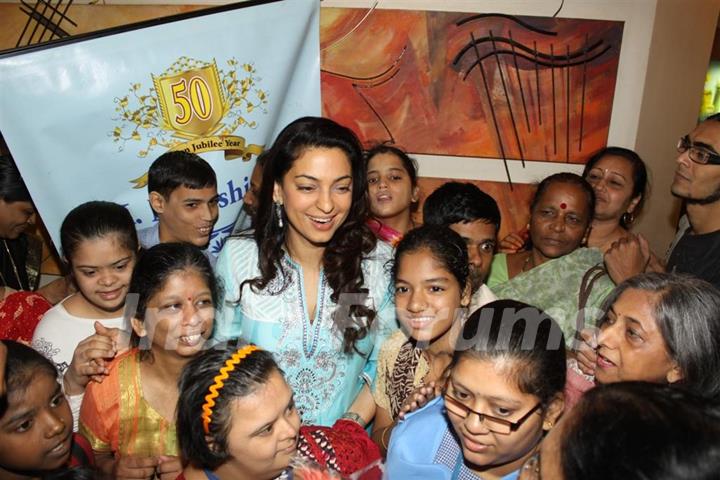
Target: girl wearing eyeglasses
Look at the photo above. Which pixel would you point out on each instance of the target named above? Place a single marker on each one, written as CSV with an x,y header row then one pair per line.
x,y
504,391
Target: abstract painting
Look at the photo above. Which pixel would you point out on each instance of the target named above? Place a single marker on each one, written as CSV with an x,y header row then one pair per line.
x,y
471,85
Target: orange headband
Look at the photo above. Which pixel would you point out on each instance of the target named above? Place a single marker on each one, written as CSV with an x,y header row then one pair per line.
x,y
214,389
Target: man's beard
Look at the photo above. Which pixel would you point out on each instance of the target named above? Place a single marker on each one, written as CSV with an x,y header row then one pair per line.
x,y
712,198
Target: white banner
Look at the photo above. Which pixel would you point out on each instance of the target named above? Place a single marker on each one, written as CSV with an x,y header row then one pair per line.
x,y
85,118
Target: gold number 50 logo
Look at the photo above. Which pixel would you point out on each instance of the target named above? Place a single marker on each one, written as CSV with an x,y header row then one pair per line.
x,y
193,99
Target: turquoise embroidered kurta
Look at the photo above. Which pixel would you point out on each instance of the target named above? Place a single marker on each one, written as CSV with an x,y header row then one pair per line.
x,y
325,380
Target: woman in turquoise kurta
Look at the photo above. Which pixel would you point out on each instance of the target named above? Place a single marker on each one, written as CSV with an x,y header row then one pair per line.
x,y
309,284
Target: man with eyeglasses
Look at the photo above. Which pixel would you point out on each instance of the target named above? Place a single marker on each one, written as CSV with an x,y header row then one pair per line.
x,y
697,181
696,248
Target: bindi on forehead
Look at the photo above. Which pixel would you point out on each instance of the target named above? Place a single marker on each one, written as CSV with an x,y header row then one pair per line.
x,y
563,205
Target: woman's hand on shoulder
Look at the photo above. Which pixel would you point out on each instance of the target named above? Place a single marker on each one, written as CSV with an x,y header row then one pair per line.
x,y
419,398
655,264
55,291
627,257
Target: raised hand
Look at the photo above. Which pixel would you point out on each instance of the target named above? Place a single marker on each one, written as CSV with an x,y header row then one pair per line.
x,y
585,353
421,396
627,257
90,361
514,242
135,468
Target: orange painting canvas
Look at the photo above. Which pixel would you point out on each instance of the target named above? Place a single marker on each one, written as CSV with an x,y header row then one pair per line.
x,y
476,85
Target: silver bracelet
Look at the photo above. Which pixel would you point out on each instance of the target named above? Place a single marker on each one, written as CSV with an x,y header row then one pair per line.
x,y
355,417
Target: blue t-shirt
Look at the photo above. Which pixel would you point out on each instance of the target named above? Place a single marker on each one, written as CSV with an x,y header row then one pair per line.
x,y
424,446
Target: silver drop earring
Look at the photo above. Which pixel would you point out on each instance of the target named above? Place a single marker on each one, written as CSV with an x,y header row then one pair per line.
x,y
278,212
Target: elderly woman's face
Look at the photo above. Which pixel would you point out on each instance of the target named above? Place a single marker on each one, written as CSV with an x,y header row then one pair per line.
x,y
630,343
560,220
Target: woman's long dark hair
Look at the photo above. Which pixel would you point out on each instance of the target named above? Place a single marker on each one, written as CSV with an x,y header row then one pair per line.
x,y
353,240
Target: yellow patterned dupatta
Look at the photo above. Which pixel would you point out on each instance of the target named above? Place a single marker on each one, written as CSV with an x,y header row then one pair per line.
x,y
115,417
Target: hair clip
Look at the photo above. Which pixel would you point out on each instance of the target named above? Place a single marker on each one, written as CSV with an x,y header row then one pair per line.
x,y
214,389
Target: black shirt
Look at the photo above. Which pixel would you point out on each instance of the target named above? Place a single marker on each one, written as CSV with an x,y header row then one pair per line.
x,y
698,255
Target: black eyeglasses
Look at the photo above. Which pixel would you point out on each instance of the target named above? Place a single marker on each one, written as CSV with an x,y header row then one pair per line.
x,y
697,154
494,424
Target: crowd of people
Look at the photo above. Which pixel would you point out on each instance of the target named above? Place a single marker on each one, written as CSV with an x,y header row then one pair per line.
x,y
338,335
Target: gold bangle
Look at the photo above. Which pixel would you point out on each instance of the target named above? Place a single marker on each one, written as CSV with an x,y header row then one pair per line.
x,y
382,437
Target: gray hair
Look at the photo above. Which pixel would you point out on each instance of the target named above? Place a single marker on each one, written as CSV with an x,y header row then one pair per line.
x,y
687,312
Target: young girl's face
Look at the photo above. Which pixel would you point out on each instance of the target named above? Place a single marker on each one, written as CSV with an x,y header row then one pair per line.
x,y
36,430
427,295
179,317
488,387
390,187
264,434
102,267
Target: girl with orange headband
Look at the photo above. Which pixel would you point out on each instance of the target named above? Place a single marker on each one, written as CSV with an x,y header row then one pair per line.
x,y
237,419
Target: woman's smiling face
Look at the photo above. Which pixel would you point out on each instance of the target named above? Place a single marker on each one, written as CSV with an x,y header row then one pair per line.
x,y
316,195
428,297
179,317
